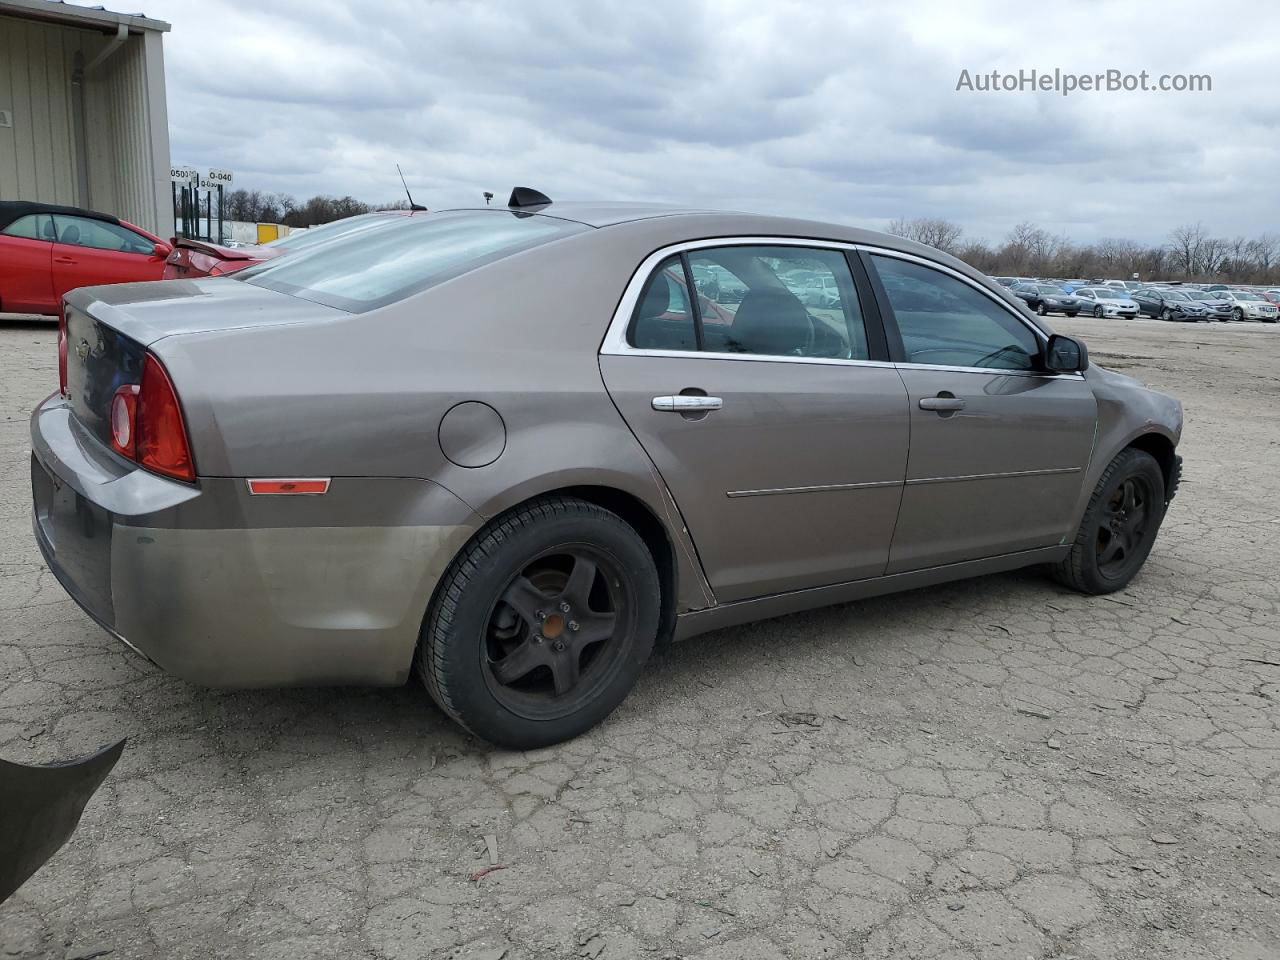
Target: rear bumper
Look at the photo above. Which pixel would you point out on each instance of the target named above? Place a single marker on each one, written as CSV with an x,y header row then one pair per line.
x,y
227,590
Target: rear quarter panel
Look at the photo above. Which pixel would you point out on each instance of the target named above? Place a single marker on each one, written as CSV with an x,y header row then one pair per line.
x,y
363,395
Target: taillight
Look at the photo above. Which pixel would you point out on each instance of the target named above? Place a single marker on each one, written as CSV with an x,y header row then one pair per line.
x,y
160,434
62,349
124,417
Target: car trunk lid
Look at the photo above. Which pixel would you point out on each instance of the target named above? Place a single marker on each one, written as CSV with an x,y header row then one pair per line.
x,y
110,328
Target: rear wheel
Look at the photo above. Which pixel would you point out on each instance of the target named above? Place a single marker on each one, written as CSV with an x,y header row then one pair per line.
x,y
542,624
1119,525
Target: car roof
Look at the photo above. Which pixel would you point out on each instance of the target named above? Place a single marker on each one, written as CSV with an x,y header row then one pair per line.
x,y
689,222
11,210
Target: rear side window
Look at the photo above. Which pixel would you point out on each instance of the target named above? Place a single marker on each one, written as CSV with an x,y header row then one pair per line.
x,y
663,319
365,270
945,321
34,226
766,301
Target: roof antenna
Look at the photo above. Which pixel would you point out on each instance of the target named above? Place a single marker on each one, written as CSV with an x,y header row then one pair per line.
x,y
487,197
412,205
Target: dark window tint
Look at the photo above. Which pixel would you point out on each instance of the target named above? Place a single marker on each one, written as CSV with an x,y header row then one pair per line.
x,y
662,319
369,269
778,301
34,226
945,321
100,235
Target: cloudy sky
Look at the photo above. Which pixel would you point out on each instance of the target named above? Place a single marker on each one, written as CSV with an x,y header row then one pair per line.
x,y
844,111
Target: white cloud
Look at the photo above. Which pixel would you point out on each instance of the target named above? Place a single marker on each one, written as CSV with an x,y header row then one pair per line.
x,y
830,110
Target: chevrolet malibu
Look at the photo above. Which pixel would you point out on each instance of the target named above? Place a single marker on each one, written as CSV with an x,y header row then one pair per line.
x,y
511,449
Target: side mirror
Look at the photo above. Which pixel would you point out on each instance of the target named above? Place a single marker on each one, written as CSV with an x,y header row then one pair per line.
x,y
1064,354
161,250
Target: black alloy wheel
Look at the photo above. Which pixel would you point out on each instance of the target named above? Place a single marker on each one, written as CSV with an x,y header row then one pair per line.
x,y
1122,525
1119,526
542,623
556,630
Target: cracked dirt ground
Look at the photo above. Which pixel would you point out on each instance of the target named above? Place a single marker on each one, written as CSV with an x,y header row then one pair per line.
x,y
992,769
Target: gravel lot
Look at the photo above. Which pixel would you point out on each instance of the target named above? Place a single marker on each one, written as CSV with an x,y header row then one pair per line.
x,y
993,769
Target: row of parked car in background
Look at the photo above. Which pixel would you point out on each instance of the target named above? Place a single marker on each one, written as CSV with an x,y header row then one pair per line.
x,y
1163,300
48,250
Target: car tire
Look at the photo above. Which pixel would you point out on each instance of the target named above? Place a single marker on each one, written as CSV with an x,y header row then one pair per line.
x,y
1113,541
520,555
1072,313
1237,314
1097,312
1041,311
1166,314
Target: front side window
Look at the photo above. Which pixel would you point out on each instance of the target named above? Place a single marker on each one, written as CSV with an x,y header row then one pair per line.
x,y
760,300
945,321
367,269
34,226
100,235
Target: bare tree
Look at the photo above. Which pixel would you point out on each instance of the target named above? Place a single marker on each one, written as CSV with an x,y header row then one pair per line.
x,y
1186,245
931,231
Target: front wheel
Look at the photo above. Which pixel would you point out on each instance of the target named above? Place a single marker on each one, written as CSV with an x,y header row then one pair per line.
x,y
1166,314
542,624
1097,312
1040,309
1119,526
1237,314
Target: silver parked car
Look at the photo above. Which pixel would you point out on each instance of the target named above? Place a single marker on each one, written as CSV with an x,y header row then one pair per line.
x,y
512,449
1106,302
1219,307
1247,305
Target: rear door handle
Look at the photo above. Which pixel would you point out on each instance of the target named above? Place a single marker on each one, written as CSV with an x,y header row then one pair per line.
x,y
941,404
684,403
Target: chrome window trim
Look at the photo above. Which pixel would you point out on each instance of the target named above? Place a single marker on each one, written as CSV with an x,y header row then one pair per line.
x,y
615,338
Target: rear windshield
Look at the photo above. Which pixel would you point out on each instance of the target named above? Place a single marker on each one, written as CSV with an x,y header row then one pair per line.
x,y
301,239
372,268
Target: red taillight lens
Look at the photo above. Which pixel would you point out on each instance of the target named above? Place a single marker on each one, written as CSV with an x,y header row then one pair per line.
x,y
62,350
160,440
124,418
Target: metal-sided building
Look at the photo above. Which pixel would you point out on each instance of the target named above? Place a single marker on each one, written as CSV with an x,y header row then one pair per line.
x,y
83,119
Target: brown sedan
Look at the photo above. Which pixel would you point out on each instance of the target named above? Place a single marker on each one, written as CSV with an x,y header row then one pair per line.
x,y
512,449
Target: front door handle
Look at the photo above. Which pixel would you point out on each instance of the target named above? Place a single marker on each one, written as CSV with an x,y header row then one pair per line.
x,y
942,404
64,260
686,403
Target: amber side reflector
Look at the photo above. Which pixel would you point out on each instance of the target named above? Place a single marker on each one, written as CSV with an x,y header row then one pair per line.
x,y
299,486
